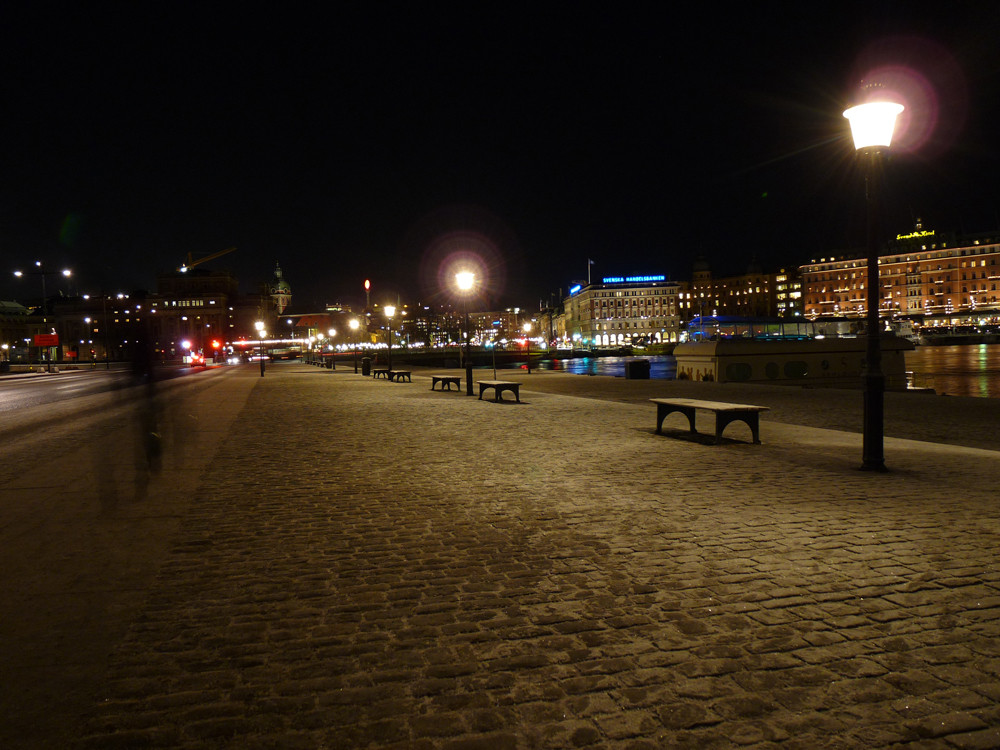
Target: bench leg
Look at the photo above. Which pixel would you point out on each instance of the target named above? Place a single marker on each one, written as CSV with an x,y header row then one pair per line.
x,y
752,420
662,410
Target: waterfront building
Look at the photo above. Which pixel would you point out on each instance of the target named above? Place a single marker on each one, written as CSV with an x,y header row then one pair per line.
x,y
926,276
497,325
752,294
622,310
198,307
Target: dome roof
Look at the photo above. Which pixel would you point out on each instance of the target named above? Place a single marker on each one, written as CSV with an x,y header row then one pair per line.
x,y
278,284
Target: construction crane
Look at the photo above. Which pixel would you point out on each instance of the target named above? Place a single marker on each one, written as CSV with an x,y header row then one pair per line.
x,y
191,262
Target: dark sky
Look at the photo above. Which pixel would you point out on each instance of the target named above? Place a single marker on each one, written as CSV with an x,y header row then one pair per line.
x,y
373,140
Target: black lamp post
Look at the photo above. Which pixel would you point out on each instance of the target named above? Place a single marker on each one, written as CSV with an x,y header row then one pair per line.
x,y
259,325
390,310
872,124
354,329
466,280
42,273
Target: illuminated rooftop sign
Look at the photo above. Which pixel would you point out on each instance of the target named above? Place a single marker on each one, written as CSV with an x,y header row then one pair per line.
x,y
632,279
914,235
575,288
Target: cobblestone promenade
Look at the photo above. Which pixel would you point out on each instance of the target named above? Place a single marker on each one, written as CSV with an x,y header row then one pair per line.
x,y
372,564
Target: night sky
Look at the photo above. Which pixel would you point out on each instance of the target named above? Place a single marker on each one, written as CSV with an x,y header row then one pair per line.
x,y
376,140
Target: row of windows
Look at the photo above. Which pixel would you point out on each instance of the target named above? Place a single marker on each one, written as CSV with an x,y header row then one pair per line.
x,y
185,303
637,293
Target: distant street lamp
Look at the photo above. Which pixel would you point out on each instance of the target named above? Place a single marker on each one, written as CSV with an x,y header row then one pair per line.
x,y
527,342
42,273
259,325
872,126
465,281
390,311
354,324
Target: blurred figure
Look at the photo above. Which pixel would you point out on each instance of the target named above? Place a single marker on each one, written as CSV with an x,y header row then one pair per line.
x,y
148,440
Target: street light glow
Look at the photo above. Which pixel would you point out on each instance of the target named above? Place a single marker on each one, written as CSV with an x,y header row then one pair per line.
x,y
465,280
872,124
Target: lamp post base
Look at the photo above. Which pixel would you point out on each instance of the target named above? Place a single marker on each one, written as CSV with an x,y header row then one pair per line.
x,y
873,458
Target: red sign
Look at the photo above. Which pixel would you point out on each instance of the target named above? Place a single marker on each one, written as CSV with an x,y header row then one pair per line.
x,y
46,339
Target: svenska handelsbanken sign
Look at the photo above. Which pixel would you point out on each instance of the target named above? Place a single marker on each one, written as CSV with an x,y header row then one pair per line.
x,y
46,339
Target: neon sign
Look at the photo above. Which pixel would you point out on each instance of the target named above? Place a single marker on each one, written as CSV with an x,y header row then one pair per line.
x,y
914,235
632,279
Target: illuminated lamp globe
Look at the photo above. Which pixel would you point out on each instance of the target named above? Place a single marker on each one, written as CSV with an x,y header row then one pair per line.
x,y
872,124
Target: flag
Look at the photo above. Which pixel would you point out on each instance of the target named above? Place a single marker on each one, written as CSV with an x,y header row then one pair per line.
x,y
590,262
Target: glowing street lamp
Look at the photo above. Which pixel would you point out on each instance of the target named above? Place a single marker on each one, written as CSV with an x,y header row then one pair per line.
x,y
466,281
259,325
390,311
872,126
354,324
527,342
332,363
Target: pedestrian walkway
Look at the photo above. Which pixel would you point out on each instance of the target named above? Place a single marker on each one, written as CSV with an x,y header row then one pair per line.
x,y
372,564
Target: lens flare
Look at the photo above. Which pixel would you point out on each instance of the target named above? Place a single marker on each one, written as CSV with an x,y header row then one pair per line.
x,y
924,77
463,238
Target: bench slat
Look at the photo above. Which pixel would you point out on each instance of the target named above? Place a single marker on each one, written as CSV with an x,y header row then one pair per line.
x,y
710,405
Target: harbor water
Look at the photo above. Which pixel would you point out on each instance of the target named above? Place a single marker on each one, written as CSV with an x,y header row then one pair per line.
x,y
962,370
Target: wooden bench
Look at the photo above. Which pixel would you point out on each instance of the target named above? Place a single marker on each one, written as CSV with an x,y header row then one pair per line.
x,y
724,414
381,372
399,376
499,386
446,380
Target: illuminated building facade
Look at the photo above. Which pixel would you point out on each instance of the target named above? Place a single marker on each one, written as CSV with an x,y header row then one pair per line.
x,y
623,310
754,294
197,306
926,275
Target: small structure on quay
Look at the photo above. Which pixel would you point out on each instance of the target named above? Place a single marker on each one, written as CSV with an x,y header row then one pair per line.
x,y
782,351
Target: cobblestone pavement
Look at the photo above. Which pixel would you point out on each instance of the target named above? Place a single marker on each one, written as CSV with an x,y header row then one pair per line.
x,y
372,564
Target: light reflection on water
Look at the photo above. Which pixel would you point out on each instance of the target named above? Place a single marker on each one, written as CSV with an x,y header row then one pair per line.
x,y
966,370
663,367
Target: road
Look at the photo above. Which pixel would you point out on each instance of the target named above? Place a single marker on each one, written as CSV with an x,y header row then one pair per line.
x,y
84,520
19,392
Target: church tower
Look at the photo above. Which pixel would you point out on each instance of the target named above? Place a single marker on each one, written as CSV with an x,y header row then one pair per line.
x,y
281,293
